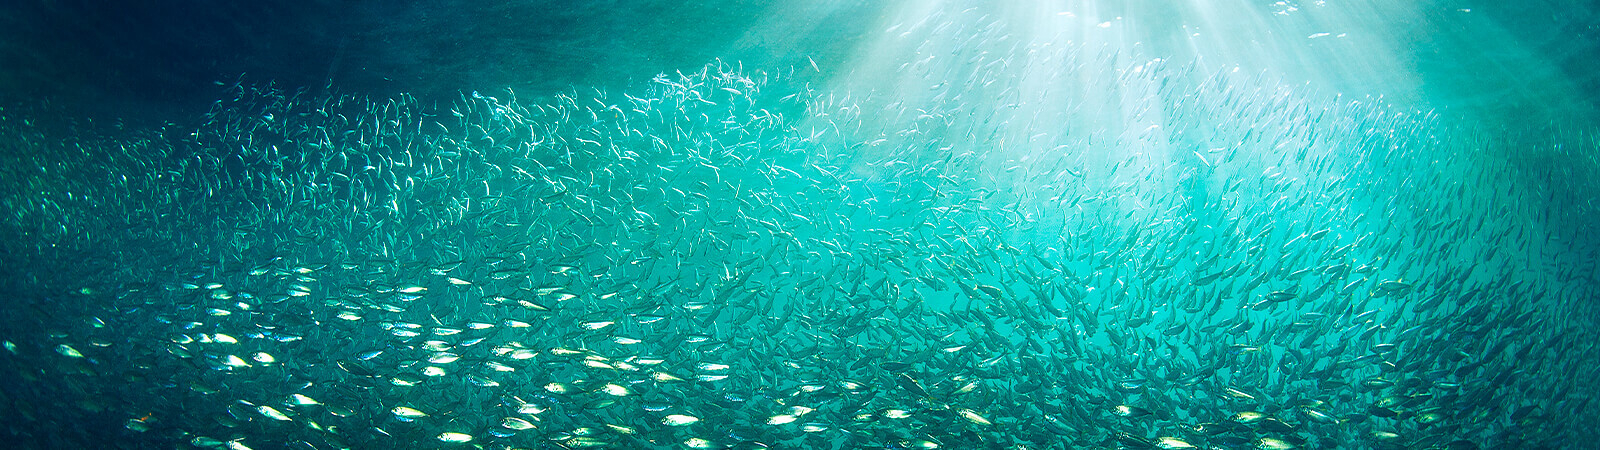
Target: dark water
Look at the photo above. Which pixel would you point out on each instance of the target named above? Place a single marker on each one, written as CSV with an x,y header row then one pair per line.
x,y
768,225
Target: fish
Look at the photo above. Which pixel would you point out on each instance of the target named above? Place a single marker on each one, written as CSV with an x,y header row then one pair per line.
x,y
678,420
743,257
407,412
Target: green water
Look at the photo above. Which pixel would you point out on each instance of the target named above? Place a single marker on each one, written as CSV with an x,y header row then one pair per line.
x,y
825,225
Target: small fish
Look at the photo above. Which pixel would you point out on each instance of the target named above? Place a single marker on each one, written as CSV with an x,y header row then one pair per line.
x,y
814,427
1172,443
1247,417
1130,411
1268,443
272,413
972,416
679,420
233,361
614,390
63,349
516,423
408,412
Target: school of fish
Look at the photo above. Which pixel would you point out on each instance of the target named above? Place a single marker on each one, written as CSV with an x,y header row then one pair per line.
x,y
1152,256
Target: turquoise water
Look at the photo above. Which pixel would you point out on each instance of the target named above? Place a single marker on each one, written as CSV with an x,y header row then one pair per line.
x,y
754,225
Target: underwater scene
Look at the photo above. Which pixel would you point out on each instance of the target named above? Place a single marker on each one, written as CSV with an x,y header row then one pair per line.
x,y
914,224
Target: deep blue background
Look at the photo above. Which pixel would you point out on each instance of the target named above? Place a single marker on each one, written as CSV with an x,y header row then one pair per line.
x,y
134,58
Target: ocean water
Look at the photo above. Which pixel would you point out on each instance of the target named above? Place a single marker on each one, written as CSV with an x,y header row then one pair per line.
x,y
890,225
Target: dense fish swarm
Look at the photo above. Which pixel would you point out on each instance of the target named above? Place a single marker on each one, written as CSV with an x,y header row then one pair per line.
x,y
1158,258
